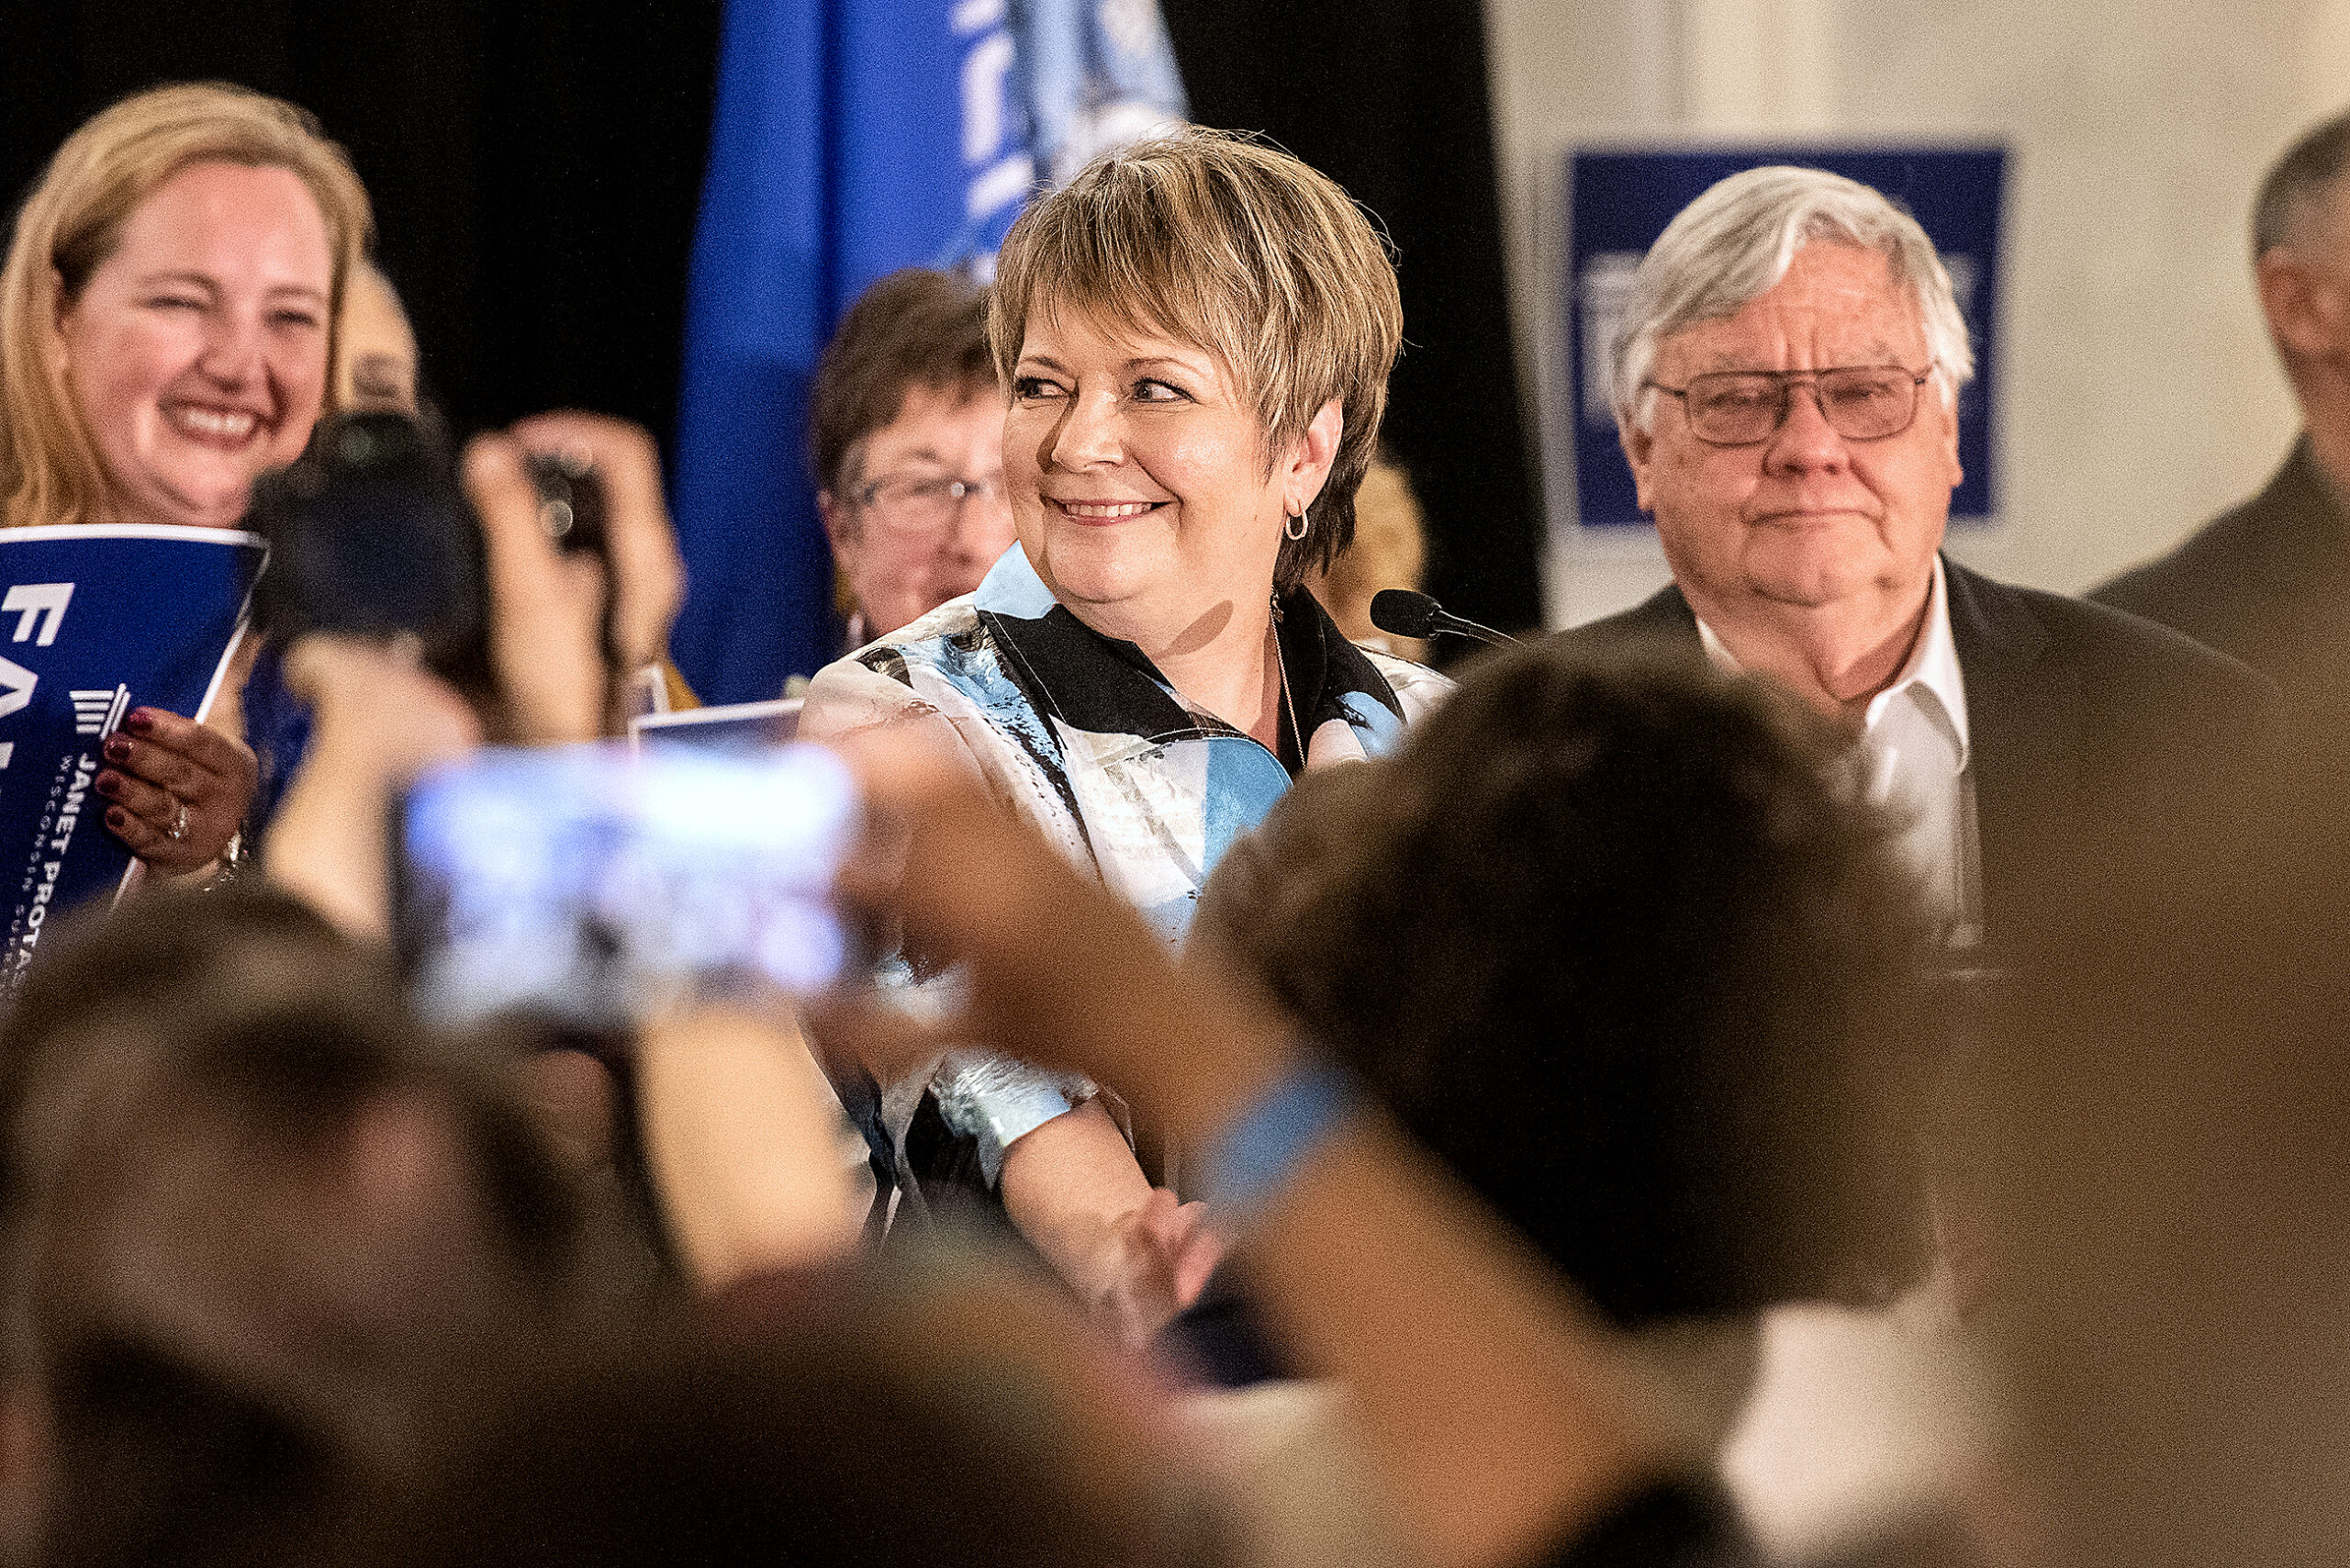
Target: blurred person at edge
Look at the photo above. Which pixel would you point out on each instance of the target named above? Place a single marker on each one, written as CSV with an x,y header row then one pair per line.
x,y
271,1243
906,437
1195,337
2150,1169
1786,382
2269,580
167,318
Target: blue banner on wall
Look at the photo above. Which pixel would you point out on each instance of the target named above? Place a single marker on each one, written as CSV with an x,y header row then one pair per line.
x,y
851,137
95,622
1617,202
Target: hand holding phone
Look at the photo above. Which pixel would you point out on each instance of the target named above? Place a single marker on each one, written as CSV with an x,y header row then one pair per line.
x,y
595,887
378,719
532,583
637,542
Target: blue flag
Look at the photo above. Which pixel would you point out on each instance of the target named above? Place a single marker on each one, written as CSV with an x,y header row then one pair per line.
x,y
95,622
851,137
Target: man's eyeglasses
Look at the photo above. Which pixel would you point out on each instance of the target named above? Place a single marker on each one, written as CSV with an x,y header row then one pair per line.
x,y
1741,408
919,503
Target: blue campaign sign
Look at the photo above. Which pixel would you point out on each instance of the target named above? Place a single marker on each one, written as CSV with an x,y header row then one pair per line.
x,y
95,622
1617,202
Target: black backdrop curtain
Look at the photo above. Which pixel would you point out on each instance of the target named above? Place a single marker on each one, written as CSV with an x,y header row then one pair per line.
x,y
535,168
1389,99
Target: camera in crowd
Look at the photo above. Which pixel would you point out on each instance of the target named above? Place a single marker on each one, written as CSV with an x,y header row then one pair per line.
x,y
370,535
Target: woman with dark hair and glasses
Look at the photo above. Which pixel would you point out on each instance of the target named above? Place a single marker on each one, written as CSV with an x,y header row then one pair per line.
x,y
905,432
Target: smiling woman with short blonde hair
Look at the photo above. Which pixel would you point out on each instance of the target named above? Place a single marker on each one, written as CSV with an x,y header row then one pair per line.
x,y
1195,337
1239,250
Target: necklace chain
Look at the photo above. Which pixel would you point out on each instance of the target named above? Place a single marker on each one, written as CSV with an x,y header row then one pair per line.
x,y
1289,708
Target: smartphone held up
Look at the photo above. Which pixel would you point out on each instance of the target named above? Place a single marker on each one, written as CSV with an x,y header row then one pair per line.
x,y
587,886
593,886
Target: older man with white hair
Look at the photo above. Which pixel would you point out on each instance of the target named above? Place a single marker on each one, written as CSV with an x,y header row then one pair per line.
x,y
1785,386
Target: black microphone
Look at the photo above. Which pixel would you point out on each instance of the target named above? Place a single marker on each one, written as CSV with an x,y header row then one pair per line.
x,y
1400,613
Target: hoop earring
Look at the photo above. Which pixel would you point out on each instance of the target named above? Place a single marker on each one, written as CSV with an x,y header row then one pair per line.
x,y
1296,526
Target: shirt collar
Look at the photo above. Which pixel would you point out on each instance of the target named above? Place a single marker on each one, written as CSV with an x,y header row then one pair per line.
x,y
1932,669
1106,686
1012,588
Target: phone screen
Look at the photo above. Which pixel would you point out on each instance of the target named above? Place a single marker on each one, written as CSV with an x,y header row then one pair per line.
x,y
591,885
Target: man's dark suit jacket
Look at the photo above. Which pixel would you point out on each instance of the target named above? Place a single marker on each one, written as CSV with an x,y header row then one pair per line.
x,y
2091,733
2268,583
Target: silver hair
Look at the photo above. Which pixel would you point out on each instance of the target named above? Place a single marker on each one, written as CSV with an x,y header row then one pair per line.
x,y
1735,242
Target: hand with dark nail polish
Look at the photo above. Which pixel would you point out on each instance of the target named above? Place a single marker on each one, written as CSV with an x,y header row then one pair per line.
x,y
182,787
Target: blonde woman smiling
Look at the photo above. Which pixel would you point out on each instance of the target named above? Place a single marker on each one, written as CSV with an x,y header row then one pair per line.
x,y
167,316
1195,338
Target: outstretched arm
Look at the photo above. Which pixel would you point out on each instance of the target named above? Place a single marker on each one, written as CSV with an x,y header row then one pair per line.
x,y
746,1145
1487,1399
1129,1251
379,719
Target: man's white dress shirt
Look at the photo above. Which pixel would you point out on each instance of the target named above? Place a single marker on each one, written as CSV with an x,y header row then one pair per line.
x,y
1915,735
1860,1416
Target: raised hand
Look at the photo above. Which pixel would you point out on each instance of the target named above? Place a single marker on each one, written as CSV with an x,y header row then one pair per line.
x,y
648,573
546,608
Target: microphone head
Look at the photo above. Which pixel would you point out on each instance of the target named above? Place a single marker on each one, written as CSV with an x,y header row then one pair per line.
x,y
1403,612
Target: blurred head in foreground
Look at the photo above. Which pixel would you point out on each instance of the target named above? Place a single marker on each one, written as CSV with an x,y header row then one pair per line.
x,y
1621,944
906,433
270,1240
845,1420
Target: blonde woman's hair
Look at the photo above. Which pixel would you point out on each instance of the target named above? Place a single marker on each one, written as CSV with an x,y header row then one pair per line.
x,y
49,471
375,363
1237,247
